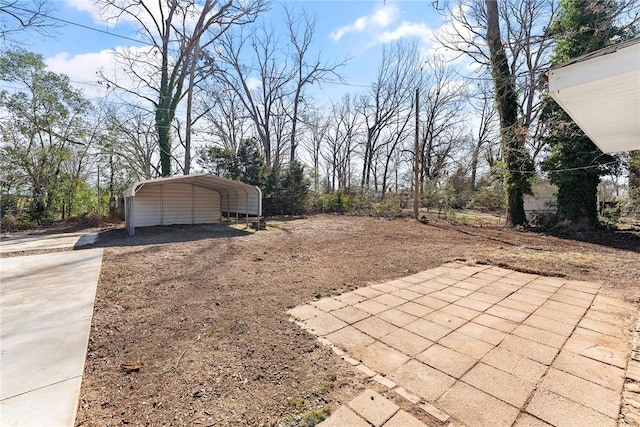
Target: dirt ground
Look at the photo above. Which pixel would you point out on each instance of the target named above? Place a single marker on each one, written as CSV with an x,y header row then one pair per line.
x,y
190,323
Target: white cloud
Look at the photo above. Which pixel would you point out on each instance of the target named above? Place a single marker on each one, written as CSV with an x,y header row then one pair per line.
x,y
254,83
83,69
382,17
149,14
407,29
88,6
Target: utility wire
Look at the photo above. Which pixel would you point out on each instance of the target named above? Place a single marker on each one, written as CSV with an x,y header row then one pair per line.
x,y
98,30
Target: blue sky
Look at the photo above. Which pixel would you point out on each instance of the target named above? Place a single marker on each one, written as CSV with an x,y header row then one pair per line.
x,y
355,28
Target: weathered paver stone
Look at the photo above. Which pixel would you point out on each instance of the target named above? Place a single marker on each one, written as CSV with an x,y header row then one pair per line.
x,y
328,304
446,360
429,330
431,302
592,370
406,342
598,346
351,339
382,358
584,392
445,319
375,327
540,336
617,331
373,407
406,294
404,419
350,314
415,309
371,306
324,324
526,420
423,380
483,333
485,297
304,312
531,349
459,311
476,408
495,322
473,304
550,325
516,364
561,412
397,317
466,345
344,417
526,307
500,384
507,313
389,300
351,298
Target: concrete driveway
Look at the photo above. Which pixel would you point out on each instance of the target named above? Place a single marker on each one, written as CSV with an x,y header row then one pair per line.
x,y
482,346
46,241
46,305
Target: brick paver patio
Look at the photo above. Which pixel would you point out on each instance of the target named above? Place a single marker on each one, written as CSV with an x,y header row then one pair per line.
x,y
482,346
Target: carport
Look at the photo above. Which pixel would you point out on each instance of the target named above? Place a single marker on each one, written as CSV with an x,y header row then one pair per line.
x,y
601,93
189,199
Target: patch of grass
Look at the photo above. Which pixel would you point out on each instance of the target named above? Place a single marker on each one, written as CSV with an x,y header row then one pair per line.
x,y
327,386
121,289
323,389
315,417
297,402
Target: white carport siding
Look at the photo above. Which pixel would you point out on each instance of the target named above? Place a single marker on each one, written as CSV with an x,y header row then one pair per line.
x,y
191,199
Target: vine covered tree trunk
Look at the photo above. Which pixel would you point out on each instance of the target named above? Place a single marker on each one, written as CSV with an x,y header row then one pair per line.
x,y
575,164
634,183
516,159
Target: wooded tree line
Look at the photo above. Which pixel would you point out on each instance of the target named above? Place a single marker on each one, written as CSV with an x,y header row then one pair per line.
x,y
215,88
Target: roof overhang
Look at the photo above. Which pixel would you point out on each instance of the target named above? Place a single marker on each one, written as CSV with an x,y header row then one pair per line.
x,y
601,93
211,182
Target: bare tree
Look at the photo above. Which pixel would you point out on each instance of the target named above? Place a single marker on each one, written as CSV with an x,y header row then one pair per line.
x,y
307,71
315,137
130,137
440,133
482,103
176,31
17,16
225,116
260,85
477,34
345,128
388,100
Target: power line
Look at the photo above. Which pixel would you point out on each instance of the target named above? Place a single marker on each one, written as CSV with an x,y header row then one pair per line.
x,y
98,30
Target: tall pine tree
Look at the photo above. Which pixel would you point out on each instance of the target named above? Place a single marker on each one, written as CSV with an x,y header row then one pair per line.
x,y
575,164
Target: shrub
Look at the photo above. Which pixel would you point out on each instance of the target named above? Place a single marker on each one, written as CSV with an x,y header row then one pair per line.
x,y
337,202
388,207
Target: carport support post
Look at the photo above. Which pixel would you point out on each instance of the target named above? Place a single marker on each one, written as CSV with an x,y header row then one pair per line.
x,y
246,207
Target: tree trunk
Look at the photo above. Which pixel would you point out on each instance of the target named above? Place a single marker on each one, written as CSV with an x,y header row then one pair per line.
x,y
634,183
163,118
515,155
189,119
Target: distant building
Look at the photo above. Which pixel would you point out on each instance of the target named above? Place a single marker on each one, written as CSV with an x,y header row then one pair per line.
x,y
541,208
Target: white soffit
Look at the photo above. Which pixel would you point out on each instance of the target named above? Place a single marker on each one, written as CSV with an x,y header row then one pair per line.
x,y
601,93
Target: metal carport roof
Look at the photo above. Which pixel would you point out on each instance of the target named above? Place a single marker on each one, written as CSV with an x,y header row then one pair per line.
x,y
601,93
